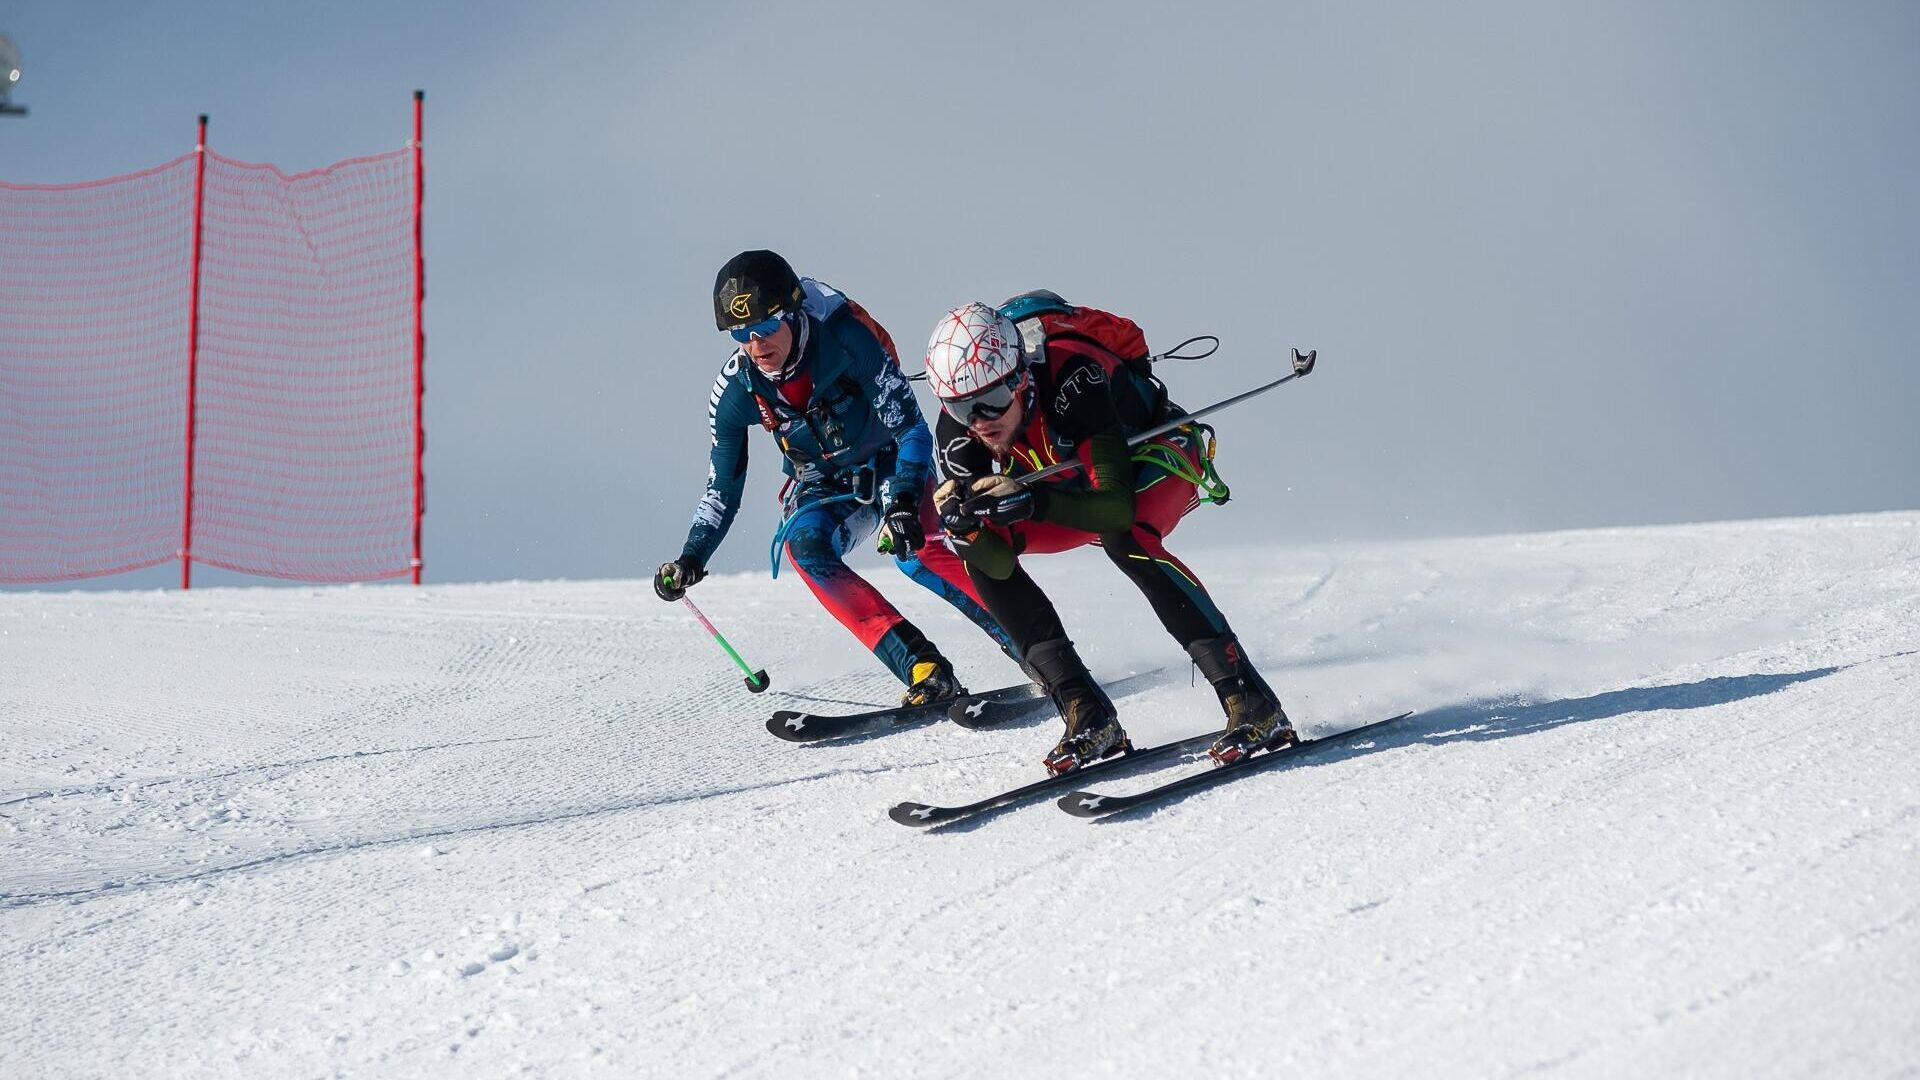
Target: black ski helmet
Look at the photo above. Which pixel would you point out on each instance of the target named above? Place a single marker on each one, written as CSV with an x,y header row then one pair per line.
x,y
752,287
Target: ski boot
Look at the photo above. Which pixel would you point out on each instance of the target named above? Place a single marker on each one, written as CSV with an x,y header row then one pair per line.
x,y
1255,720
933,682
1093,728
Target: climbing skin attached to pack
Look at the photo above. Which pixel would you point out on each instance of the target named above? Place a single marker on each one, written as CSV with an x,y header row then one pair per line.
x,y
1206,479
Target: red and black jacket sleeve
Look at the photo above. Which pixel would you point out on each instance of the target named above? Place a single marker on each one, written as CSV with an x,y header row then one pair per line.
x,y
1078,404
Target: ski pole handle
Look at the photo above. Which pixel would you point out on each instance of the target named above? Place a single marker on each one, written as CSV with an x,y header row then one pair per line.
x,y
757,681
1302,365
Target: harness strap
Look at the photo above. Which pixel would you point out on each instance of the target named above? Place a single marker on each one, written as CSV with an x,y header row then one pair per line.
x,y
865,489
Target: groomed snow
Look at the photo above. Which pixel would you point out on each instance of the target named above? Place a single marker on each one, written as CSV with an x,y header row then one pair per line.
x,y
1658,814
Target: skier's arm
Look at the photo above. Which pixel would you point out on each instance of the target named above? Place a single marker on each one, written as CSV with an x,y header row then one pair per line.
x,y
1107,507
729,415
979,547
1081,408
963,459
877,369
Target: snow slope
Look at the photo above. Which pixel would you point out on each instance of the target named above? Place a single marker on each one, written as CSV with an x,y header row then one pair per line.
x,y
1658,814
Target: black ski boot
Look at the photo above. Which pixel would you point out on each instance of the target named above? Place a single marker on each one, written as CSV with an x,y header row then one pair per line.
x,y
933,681
1255,720
1093,728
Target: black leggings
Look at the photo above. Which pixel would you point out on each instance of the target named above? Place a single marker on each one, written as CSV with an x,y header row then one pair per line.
x,y
1022,609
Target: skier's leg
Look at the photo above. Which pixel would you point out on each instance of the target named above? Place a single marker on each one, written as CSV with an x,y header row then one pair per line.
x,y
816,541
921,570
1180,600
1093,728
1020,607
1161,499
1255,720
1254,716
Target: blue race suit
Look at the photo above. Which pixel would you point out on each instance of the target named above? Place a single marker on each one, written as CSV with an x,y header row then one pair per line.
x,y
846,420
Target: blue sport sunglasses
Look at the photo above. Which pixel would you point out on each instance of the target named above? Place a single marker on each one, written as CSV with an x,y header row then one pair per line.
x,y
764,328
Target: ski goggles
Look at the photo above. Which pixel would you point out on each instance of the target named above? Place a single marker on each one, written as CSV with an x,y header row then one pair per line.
x,y
985,405
764,328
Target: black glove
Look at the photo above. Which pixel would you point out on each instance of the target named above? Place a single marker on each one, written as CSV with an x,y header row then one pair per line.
x,y
903,532
673,579
950,502
1003,501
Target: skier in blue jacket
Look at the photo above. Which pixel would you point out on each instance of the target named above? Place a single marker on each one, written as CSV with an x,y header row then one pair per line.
x,y
824,379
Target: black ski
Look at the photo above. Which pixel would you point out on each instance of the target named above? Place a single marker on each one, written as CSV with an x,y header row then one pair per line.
x,y
980,711
920,815
814,727
1088,804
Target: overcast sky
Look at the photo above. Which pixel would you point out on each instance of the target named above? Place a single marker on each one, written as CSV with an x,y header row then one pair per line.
x,y
1565,265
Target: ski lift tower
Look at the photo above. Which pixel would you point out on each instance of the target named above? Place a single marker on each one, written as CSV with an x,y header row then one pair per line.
x,y
9,76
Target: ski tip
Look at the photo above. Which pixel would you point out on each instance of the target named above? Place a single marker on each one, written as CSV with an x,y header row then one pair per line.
x,y
970,712
1083,804
978,714
913,814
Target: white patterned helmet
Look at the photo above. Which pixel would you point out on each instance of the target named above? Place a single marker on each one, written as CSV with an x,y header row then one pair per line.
x,y
974,352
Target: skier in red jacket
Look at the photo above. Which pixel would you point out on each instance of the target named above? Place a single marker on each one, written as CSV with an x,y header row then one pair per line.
x,y
1014,403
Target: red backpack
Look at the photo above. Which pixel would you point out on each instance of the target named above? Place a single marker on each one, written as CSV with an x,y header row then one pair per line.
x,y
1042,315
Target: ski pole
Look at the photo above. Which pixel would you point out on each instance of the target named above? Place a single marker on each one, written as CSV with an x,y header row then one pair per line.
x,y
1302,364
756,680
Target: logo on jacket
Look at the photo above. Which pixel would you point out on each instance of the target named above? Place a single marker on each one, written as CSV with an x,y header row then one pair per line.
x,y
951,459
1078,383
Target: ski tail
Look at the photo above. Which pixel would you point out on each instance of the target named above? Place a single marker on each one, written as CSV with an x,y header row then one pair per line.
x,y
921,815
1092,804
804,727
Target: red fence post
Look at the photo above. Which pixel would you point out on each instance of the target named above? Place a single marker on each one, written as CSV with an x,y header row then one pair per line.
x,y
419,337
193,351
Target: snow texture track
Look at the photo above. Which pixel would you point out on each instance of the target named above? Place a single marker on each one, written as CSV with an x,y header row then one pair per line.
x,y
1657,815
